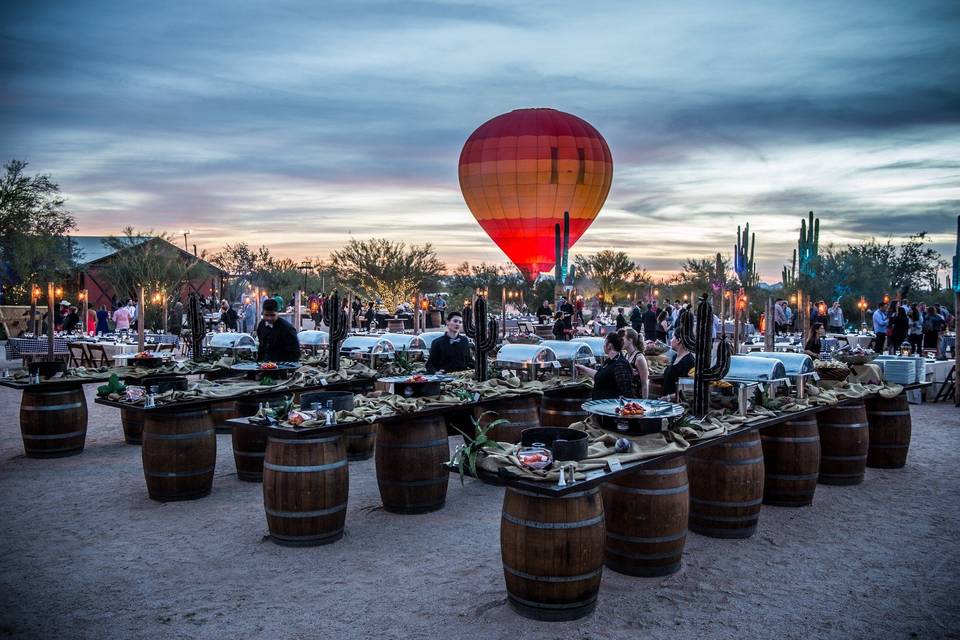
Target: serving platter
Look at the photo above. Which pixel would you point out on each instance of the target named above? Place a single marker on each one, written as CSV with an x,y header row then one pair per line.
x,y
657,415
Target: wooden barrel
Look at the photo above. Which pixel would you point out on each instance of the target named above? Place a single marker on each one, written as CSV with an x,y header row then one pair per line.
x,y
132,421
646,515
409,459
844,442
305,488
360,441
561,408
890,427
522,413
223,411
249,449
552,552
179,454
791,462
53,421
726,487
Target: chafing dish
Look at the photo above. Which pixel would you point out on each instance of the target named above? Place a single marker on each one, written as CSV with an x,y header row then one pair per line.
x,y
313,340
570,353
798,367
372,349
529,361
595,344
754,369
240,346
405,342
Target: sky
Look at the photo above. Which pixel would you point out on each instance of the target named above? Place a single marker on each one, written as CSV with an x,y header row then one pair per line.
x,y
298,125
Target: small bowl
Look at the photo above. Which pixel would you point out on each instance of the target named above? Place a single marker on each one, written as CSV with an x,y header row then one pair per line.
x,y
531,451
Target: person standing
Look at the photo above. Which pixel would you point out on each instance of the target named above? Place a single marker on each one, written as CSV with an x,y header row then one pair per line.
x,y
175,321
880,324
680,368
121,319
103,326
441,305
779,317
451,351
836,321
650,323
915,330
633,347
544,313
277,338
567,310
579,309
664,320
71,321
621,319
132,312
933,324
615,377
559,327
636,317
228,316
900,324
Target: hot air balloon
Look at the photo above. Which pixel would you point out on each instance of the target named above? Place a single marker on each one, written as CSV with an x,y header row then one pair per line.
x,y
521,170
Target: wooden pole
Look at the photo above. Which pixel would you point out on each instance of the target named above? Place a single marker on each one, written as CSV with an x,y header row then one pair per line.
x,y
503,312
86,310
140,319
34,320
50,321
297,296
956,343
770,331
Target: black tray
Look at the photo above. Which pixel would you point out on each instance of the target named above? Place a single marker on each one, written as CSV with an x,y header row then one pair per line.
x,y
431,387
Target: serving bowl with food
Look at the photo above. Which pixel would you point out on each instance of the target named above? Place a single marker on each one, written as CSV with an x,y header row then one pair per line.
x,y
634,416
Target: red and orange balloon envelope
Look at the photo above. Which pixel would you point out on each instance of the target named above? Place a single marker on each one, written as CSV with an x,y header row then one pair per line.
x,y
521,170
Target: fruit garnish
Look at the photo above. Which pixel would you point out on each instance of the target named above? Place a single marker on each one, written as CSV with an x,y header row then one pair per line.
x,y
268,365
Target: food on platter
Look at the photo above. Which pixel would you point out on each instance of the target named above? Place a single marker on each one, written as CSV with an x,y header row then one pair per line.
x,y
630,409
268,365
419,377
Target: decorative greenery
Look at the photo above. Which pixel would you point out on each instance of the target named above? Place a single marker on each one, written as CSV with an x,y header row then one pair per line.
x,y
613,272
113,386
466,456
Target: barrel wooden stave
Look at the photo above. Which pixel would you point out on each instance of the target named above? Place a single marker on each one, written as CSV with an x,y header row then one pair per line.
x,y
521,413
726,487
53,421
890,429
563,408
132,421
844,443
223,411
305,490
360,442
409,458
552,552
646,519
249,449
179,454
791,462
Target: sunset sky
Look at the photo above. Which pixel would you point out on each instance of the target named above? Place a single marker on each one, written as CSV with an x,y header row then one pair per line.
x,y
299,124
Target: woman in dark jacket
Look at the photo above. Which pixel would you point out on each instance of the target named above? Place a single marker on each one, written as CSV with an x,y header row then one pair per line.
x,y
900,324
559,327
102,317
615,377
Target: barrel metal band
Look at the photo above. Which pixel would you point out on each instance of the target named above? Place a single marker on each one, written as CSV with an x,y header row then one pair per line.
x,y
662,472
640,540
843,457
181,414
178,474
322,536
777,476
888,413
414,483
305,469
710,518
249,454
741,445
796,439
889,446
725,503
52,407
58,436
642,556
178,436
306,514
731,462
555,412
414,445
551,605
852,425
534,524
648,492
530,576
304,440
575,494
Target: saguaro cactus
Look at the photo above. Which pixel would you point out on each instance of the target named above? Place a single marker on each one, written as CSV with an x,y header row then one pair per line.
x,y
483,332
789,278
699,340
339,325
743,257
562,252
809,246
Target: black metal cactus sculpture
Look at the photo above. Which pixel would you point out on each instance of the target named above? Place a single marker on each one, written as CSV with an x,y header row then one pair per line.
x,y
484,333
197,326
699,340
339,325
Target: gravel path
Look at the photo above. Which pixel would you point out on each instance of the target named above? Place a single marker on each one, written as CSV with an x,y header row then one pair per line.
x,y
85,554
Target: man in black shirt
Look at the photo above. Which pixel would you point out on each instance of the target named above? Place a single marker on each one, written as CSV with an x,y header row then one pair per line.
x,y
567,310
650,323
278,338
451,351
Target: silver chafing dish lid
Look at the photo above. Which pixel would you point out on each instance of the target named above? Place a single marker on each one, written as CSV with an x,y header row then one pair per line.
x,y
595,343
522,355
751,369
230,340
314,337
570,352
405,342
367,344
793,363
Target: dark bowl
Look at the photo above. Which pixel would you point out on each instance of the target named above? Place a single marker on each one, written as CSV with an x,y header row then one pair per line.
x,y
165,383
147,363
342,400
417,389
47,368
633,426
565,444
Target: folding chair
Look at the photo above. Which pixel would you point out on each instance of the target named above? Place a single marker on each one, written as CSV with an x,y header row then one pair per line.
x,y
79,356
98,355
948,388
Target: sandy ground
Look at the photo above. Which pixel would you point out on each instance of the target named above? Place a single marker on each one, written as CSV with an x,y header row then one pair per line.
x,y
85,554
